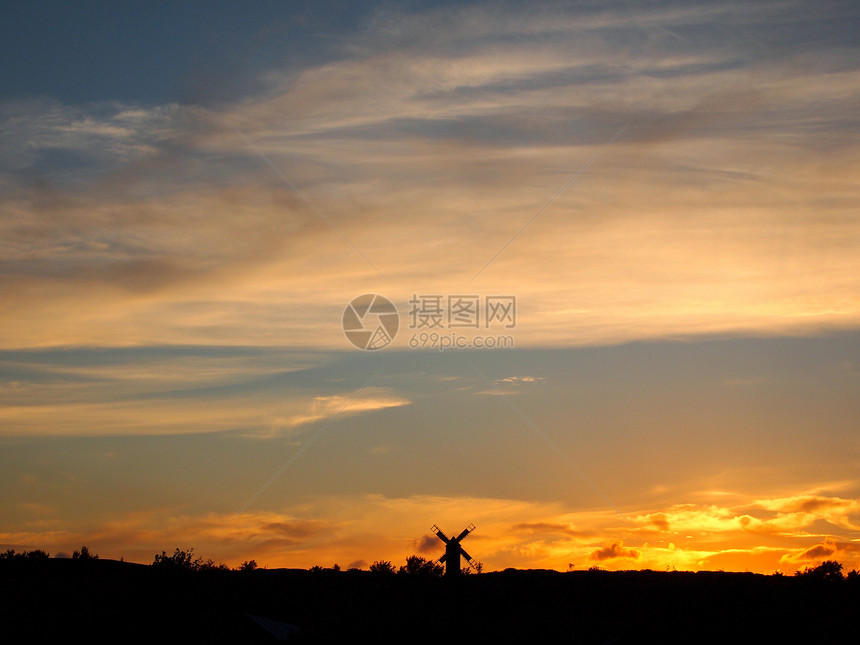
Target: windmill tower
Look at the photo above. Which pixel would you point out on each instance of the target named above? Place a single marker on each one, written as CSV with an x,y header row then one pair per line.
x,y
453,550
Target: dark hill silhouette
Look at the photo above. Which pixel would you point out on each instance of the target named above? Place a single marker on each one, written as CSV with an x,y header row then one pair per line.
x,y
108,601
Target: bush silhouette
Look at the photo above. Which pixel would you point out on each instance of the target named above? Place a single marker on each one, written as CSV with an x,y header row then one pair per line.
x,y
185,561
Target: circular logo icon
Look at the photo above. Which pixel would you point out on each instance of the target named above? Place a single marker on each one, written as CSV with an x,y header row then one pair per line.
x,y
370,321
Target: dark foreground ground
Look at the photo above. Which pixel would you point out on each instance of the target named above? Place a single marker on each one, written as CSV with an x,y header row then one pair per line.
x,y
108,601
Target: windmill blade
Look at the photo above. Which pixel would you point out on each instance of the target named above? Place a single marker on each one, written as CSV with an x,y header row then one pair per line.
x,y
472,564
442,559
465,532
439,534
465,555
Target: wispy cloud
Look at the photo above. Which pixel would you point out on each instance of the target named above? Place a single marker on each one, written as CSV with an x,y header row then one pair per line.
x,y
725,207
844,513
324,407
153,391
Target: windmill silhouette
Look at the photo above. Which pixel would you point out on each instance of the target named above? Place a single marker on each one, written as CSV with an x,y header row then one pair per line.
x,y
453,550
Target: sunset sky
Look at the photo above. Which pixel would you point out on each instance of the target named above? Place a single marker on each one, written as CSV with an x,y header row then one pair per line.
x,y
669,192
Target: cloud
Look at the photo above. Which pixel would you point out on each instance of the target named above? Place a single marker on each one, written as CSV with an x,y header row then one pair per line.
x,y
809,504
826,550
507,386
548,527
325,407
837,511
614,551
159,391
819,551
792,515
660,521
427,544
138,536
93,137
721,208
519,379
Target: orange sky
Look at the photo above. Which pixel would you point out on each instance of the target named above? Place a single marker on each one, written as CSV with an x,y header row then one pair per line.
x,y
669,192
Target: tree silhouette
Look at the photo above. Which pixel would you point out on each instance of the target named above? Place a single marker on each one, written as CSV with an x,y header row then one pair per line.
x,y
382,566
35,554
179,561
84,554
827,570
418,566
248,565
